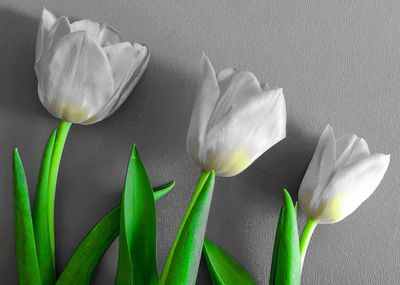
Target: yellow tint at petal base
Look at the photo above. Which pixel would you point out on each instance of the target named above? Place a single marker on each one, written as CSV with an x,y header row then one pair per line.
x,y
331,210
233,164
70,112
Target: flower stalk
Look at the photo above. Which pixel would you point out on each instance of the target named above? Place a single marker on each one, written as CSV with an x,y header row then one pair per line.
x,y
61,137
43,212
305,238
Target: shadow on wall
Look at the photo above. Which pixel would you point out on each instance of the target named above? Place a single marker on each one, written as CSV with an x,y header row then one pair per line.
x,y
18,96
17,56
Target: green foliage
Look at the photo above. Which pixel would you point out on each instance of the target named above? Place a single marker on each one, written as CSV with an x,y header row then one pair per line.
x,y
224,270
183,260
83,262
40,216
137,263
285,267
27,261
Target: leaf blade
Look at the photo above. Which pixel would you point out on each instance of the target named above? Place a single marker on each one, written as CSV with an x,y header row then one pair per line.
x,y
163,190
184,257
27,263
137,255
224,270
287,271
40,217
275,253
83,262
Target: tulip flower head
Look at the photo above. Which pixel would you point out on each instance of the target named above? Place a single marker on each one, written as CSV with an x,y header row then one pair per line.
x,y
234,121
342,174
85,70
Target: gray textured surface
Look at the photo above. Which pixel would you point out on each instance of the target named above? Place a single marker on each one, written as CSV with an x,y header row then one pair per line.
x,y
338,62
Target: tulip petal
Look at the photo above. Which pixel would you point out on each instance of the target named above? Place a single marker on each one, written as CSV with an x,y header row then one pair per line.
x,y
360,150
224,78
226,74
142,56
344,145
207,97
124,60
79,80
245,133
93,29
61,28
128,64
350,187
235,90
319,170
110,37
47,21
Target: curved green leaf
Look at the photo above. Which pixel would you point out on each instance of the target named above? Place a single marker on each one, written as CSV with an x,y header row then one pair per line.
x,y
40,216
285,269
27,262
83,262
183,260
224,270
137,262
161,191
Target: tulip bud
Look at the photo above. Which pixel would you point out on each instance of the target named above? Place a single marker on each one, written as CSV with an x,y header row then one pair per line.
x,y
342,174
85,70
234,120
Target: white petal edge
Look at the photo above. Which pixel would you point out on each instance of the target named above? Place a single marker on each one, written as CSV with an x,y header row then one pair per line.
x,y
207,97
124,87
93,29
322,164
47,21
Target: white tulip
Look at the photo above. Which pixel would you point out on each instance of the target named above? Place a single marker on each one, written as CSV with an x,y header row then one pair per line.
x,y
342,174
234,121
85,70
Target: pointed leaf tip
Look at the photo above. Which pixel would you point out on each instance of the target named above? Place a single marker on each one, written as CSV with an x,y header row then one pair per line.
x,y
135,152
25,250
287,199
285,268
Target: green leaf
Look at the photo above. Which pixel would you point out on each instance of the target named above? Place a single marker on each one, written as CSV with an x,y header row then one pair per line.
x,y
27,262
40,216
224,270
43,210
161,191
81,266
285,268
184,257
137,262
276,249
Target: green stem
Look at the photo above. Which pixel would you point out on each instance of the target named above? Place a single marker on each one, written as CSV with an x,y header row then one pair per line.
x,y
61,137
305,238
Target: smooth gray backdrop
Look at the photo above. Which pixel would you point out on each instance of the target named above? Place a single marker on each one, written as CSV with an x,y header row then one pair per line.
x,y
337,61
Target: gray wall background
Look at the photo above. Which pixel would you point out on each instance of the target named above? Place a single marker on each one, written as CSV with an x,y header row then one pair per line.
x,y
338,62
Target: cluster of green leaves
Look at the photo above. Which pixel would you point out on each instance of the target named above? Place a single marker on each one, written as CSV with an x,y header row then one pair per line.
x,y
35,267
137,236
